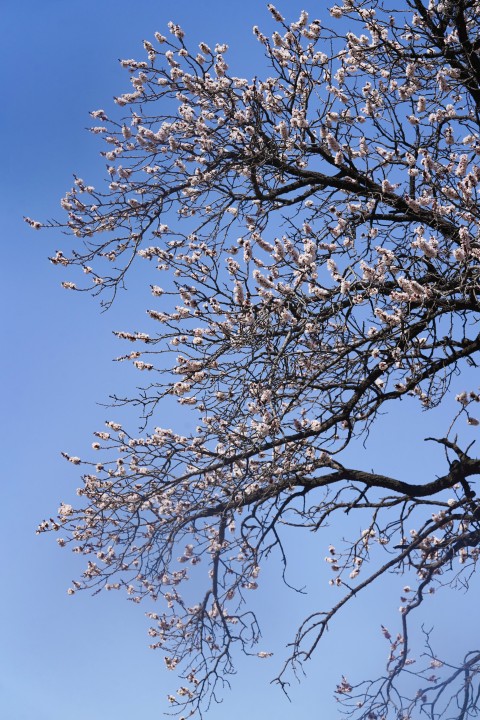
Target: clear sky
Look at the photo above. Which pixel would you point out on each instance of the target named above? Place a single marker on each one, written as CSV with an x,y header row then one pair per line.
x,y
66,658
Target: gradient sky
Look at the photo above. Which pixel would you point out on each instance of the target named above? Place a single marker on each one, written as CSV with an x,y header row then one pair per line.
x,y
65,658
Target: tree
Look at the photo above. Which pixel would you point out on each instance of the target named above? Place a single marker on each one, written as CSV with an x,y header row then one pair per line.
x,y
319,235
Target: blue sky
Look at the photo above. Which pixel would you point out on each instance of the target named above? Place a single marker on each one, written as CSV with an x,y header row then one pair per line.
x,y
69,658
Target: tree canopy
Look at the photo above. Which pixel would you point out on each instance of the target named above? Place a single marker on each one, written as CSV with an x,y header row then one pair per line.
x,y
317,234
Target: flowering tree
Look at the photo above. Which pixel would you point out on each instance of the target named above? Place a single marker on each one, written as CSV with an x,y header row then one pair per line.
x,y
318,234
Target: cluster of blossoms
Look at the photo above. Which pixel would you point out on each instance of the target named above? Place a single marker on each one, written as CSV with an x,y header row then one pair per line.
x,y
318,235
